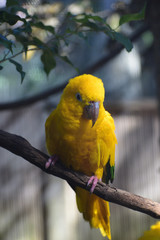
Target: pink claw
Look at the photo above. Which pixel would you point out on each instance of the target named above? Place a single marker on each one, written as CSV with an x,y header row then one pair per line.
x,y
51,161
93,180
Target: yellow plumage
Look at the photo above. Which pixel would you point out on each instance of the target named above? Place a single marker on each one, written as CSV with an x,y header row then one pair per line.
x,y
84,147
153,233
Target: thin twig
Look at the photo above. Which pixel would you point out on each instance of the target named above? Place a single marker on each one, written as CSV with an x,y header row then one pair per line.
x,y
17,54
23,148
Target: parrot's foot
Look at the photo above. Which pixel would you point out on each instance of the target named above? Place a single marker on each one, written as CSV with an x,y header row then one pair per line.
x,y
51,161
93,180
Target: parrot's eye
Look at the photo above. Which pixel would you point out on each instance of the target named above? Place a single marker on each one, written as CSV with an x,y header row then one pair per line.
x,y
78,96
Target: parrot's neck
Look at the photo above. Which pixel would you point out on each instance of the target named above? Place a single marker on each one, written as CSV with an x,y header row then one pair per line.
x,y
72,122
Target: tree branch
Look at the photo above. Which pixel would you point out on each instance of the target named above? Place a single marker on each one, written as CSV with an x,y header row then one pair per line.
x,y
23,148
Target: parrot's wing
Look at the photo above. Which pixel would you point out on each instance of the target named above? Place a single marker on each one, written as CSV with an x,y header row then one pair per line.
x,y
52,136
107,148
50,129
108,173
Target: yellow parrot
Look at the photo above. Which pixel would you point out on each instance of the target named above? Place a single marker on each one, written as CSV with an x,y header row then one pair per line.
x,y
153,233
80,133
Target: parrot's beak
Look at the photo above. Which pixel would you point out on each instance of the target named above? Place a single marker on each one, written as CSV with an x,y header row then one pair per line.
x,y
91,111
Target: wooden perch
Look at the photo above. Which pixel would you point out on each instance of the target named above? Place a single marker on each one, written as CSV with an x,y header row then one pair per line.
x,y
23,148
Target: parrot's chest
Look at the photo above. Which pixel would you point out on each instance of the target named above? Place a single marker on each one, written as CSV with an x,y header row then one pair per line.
x,y
80,152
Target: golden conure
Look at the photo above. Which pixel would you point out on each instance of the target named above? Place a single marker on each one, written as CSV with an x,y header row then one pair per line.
x,y
80,133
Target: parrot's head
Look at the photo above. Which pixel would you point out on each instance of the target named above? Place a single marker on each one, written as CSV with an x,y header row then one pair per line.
x,y
83,98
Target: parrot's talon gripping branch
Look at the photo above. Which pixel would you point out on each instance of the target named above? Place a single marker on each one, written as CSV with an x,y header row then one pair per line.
x,y
51,161
93,180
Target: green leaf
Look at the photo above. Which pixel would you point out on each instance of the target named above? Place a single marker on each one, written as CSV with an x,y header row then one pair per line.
x,y
44,27
67,60
1,67
37,42
98,24
10,3
92,26
27,28
48,61
85,18
16,8
90,22
22,39
18,68
97,18
5,42
123,40
133,17
9,18
94,23
109,31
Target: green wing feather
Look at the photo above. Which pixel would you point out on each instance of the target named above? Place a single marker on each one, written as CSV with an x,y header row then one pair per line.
x,y
108,172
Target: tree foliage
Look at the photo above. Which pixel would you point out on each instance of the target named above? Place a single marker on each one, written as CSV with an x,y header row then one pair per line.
x,y
16,30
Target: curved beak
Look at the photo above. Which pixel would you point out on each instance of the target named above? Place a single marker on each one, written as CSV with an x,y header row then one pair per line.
x,y
91,111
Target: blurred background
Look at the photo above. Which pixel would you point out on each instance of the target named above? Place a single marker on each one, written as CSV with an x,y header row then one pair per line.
x,y
34,205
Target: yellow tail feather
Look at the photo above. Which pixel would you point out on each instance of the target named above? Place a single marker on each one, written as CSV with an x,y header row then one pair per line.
x,y
95,210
